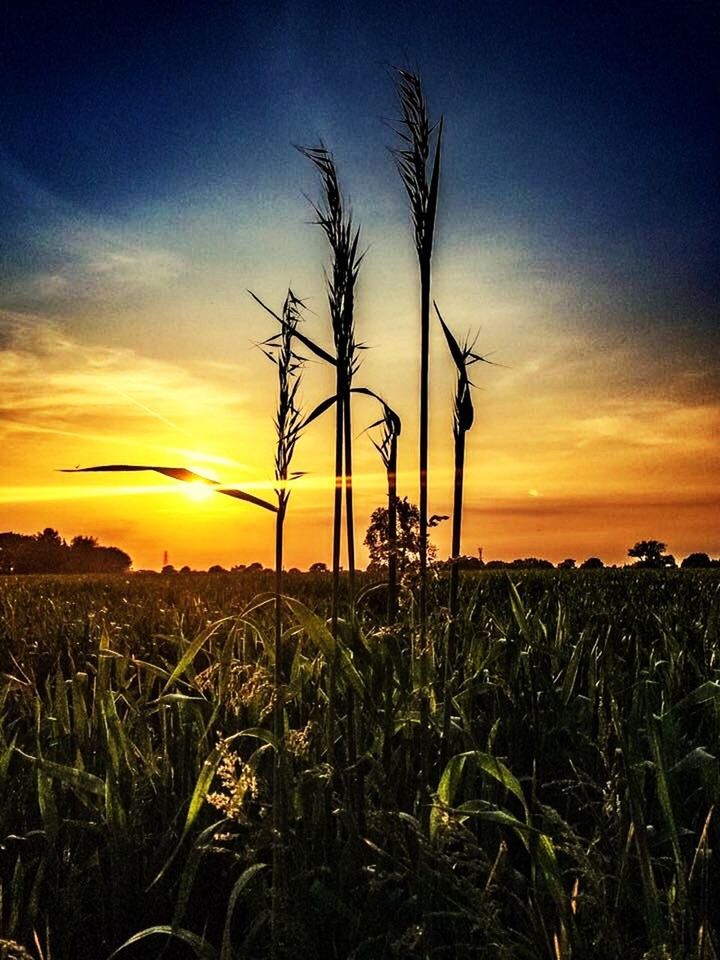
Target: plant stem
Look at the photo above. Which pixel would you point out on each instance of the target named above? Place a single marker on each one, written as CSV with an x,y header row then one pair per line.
x,y
349,513
279,527
278,806
424,417
451,645
337,532
457,524
392,533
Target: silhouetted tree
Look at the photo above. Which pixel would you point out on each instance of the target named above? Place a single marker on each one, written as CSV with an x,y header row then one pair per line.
x,y
696,561
531,563
108,560
82,543
47,552
50,553
592,563
12,548
464,562
50,536
567,564
651,553
319,567
407,545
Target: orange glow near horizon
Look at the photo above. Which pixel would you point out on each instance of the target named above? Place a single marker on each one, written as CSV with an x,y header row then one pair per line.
x,y
568,455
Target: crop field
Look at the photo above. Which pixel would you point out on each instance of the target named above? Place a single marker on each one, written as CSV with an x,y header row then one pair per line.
x,y
542,783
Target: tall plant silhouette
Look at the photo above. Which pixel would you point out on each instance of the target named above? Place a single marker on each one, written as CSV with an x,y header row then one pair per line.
x,y
421,179
279,349
387,447
288,424
464,356
343,238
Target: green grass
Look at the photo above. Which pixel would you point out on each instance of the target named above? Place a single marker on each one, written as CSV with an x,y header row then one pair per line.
x,y
575,816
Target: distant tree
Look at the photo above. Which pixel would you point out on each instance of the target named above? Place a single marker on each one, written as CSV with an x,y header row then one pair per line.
x,y
217,568
567,564
408,536
81,555
696,561
294,570
168,569
185,569
495,565
238,568
318,567
50,554
531,563
12,547
83,543
48,535
255,567
651,553
466,562
592,563
108,560
47,552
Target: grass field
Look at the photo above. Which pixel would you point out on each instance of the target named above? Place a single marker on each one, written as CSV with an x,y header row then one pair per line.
x,y
567,811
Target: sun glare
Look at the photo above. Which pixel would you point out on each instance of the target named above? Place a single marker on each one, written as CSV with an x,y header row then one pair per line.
x,y
197,490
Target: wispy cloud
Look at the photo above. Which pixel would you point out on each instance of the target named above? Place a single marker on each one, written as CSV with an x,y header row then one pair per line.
x,y
90,265
54,385
68,257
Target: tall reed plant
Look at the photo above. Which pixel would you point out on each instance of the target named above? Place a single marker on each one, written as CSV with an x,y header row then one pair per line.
x,y
421,178
343,237
387,447
464,356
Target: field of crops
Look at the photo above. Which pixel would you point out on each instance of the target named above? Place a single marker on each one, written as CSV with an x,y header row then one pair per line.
x,y
563,805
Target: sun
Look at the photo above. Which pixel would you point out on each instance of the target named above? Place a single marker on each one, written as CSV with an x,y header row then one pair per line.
x,y
197,490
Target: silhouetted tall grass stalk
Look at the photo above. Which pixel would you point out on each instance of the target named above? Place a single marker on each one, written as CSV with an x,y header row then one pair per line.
x,y
288,424
279,349
343,239
388,450
463,415
412,160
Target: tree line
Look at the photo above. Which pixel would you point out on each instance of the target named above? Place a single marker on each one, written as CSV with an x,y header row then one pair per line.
x,y
48,552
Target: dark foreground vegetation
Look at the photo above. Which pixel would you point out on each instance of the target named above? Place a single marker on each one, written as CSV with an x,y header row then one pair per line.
x,y
570,810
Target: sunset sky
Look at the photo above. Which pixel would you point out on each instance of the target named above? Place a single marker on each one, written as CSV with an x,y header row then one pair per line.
x,y
148,179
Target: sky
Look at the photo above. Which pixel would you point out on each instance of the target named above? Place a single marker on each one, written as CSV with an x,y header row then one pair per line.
x,y
148,179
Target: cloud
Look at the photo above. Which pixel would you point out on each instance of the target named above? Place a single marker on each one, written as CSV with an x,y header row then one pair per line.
x,y
63,257
95,266
53,385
